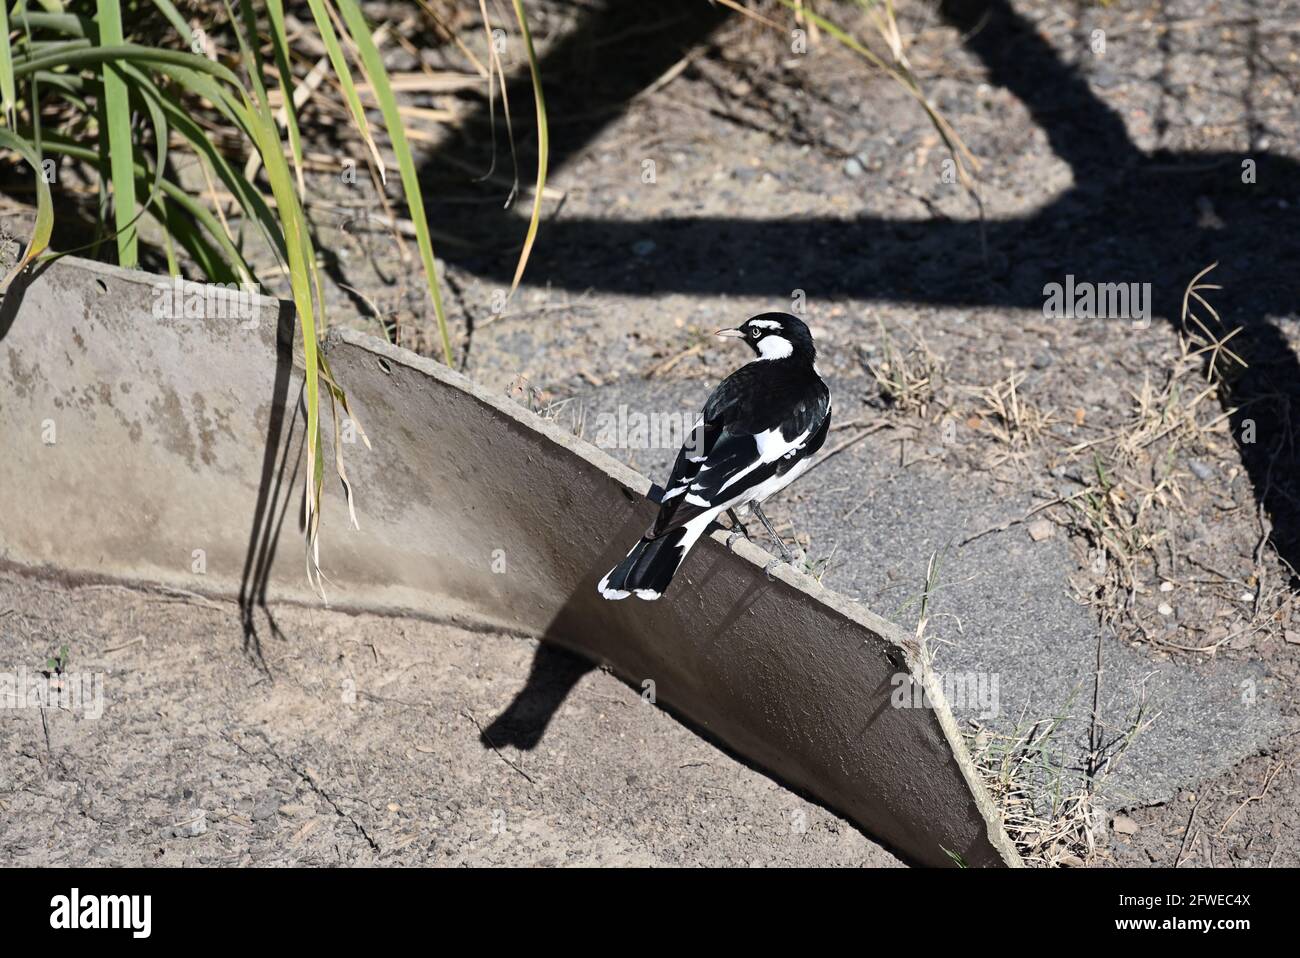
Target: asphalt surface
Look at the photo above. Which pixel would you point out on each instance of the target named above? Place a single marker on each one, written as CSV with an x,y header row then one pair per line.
x,y
1003,623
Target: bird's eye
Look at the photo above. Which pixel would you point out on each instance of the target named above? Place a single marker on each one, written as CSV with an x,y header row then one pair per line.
x,y
753,331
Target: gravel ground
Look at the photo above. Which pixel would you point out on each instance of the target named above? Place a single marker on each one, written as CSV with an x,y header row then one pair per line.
x,y
363,741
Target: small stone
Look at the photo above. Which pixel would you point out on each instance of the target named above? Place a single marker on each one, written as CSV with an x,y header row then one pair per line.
x,y
1124,825
1292,637
1164,608
1166,587
852,166
1041,529
1201,470
1104,78
265,810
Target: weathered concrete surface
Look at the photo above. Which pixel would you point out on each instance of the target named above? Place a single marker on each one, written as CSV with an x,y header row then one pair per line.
x,y
471,509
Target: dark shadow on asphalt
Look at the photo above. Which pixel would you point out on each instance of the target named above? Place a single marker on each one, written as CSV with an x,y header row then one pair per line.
x,y
1129,217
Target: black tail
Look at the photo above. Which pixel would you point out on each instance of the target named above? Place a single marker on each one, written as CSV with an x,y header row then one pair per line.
x,y
648,568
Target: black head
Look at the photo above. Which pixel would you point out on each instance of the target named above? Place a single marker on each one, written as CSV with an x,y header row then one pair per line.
x,y
775,336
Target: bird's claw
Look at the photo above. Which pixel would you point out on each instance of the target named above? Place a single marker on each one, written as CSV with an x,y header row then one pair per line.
x,y
731,539
767,569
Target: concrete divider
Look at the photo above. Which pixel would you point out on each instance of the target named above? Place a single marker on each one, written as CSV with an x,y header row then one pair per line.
x,y
152,434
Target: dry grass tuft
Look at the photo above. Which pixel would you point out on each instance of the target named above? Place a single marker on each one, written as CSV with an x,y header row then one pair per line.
x,y
907,378
1009,418
1131,478
1054,817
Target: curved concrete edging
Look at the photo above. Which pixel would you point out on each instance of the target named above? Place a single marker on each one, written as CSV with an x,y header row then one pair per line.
x,y
177,438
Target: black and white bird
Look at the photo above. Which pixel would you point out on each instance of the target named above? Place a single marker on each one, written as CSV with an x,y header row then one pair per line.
x,y
760,430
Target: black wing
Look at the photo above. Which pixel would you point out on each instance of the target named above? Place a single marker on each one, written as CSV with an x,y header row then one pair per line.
x,y
722,457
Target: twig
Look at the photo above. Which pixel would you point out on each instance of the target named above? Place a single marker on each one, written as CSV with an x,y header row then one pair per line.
x,y
867,430
667,364
138,640
1178,859
1268,780
1003,527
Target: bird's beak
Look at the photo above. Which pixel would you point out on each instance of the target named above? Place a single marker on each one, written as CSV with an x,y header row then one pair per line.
x,y
730,334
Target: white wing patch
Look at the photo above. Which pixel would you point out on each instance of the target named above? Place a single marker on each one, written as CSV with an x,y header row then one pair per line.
x,y
771,447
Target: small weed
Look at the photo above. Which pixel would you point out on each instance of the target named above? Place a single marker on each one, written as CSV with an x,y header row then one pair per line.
x,y
57,664
906,378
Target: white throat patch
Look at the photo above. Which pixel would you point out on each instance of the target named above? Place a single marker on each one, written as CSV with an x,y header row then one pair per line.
x,y
774,347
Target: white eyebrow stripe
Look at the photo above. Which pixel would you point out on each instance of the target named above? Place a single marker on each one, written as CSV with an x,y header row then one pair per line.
x,y
765,323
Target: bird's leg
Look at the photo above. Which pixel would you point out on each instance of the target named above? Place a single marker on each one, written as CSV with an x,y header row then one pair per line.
x,y
737,528
780,543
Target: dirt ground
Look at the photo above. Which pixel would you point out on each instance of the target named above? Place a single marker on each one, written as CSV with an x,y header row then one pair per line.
x,y
361,740
1109,446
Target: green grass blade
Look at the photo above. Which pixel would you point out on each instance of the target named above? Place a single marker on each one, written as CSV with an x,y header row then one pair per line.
x,y
383,90
248,196
543,145
44,225
169,244
168,10
339,62
280,49
302,272
81,55
179,224
238,268
68,23
8,94
176,118
151,99
117,112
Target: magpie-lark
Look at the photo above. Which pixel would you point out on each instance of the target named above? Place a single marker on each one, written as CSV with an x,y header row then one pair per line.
x,y
760,430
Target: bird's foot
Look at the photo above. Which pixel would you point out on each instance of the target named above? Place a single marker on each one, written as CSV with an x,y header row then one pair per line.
x,y
735,534
767,569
